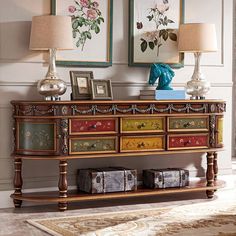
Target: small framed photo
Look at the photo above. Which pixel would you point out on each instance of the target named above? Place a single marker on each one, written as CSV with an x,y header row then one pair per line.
x,y
101,90
80,84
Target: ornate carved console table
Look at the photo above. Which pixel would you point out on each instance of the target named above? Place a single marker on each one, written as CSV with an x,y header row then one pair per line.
x,y
91,129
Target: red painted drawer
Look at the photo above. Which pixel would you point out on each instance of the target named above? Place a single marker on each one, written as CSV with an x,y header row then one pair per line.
x,y
93,126
187,141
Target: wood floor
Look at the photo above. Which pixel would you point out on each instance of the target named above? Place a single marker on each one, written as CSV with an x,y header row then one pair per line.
x,y
12,221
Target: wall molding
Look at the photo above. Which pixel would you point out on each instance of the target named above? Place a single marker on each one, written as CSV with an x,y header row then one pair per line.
x,y
114,63
114,83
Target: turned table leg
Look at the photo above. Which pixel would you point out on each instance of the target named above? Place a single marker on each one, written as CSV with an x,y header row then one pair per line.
x,y
210,174
215,165
62,185
18,182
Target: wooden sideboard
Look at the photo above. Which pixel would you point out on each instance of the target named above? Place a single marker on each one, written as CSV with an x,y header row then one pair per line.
x,y
65,130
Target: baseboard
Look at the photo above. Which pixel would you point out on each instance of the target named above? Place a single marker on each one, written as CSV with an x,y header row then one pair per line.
x,y
5,200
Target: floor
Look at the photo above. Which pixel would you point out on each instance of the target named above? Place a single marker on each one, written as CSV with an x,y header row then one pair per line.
x,y
12,221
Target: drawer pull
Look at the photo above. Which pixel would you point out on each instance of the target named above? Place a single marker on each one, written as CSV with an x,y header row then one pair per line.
x,y
94,145
93,126
186,124
187,142
141,126
141,145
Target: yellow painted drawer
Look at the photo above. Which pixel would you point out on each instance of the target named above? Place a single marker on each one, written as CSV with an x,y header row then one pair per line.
x,y
142,125
219,131
142,143
183,123
90,145
187,141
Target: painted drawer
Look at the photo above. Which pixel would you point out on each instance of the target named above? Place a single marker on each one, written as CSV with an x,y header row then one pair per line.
x,y
93,125
36,137
145,125
219,131
142,143
196,123
93,145
187,141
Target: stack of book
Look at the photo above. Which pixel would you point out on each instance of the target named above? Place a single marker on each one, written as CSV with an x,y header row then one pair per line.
x,y
148,94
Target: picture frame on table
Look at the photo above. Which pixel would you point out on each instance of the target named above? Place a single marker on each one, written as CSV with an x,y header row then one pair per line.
x,y
91,29
153,32
101,89
81,85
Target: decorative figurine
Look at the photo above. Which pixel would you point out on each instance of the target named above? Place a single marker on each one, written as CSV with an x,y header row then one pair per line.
x,y
165,75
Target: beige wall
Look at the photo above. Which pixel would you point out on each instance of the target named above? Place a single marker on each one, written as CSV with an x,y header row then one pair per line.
x,y
20,69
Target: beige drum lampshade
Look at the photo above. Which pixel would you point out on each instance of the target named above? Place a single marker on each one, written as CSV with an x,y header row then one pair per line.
x,y
197,37
50,31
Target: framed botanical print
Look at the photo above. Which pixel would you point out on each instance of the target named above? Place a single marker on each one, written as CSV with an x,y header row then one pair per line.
x,y
91,27
101,90
80,84
153,32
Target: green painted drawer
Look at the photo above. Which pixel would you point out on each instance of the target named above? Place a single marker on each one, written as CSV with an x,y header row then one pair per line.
x,y
93,145
142,125
36,137
194,123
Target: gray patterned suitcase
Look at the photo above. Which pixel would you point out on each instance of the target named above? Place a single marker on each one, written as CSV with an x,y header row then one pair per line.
x,y
165,178
106,180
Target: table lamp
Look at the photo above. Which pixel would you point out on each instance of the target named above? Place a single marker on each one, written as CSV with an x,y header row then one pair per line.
x,y
197,38
52,33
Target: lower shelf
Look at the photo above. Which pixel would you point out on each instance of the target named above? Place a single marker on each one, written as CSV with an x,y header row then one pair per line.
x,y
194,186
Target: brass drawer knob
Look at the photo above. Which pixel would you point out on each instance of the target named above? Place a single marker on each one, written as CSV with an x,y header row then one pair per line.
x,y
187,142
142,125
94,145
93,126
141,145
186,124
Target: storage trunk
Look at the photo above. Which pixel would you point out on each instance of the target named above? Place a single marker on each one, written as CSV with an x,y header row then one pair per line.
x,y
106,180
165,178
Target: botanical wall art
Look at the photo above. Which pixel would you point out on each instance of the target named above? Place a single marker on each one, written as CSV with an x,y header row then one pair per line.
x,y
91,26
153,32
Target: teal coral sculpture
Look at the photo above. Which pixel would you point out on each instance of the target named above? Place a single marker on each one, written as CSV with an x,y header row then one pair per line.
x,y
165,75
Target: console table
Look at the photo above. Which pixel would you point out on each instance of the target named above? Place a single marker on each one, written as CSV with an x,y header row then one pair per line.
x,y
66,130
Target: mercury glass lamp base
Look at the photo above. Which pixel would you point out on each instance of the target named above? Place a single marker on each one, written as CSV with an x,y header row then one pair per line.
x,y
197,89
52,98
197,98
51,88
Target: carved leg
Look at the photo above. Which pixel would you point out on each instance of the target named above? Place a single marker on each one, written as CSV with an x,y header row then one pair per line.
x,y
215,165
18,182
62,185
210,174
